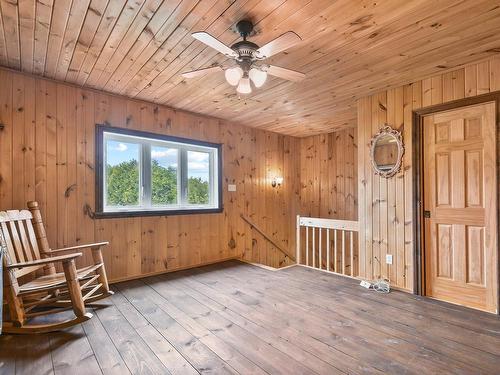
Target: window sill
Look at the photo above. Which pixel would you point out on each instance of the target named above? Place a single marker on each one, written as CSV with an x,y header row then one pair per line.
x,y
125,214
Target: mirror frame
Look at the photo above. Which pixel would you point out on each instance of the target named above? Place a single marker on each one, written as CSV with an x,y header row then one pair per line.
x,y
388,130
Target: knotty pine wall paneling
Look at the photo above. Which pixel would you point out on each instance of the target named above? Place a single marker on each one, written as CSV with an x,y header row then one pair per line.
x,y
328,187
48,154
386,206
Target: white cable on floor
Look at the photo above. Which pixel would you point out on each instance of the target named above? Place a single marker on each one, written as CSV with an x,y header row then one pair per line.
x,y
381,286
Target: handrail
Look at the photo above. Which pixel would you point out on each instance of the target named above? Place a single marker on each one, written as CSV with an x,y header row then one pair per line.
x,y
343,231
268,238
317,222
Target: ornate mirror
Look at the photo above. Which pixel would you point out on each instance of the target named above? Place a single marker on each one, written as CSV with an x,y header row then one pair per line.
x,y
387,151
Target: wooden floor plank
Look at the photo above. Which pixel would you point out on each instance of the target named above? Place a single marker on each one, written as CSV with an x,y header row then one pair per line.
x,y
347,310
461,316
134,351
238,318
423,332
221,316
107,355
9,346
456,351
27,361
333,329
71,352
473,321
274,323
423,323
162,348
252,346
199,346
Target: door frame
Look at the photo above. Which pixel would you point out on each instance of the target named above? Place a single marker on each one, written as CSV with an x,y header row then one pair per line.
x,y
417,176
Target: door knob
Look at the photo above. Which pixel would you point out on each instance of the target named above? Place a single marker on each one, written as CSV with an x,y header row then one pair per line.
x,y
427,214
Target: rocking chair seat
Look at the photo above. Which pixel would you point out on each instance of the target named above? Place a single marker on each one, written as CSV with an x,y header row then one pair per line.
x,y
56,279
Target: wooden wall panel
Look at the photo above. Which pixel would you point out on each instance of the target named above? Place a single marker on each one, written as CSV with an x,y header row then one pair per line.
x,y
329,185
328,174
47,154
386,206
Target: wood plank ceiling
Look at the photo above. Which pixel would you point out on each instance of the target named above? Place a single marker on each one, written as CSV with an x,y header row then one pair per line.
x,y
350,48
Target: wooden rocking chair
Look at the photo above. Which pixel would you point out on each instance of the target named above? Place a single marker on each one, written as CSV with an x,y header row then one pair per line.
x,y
28,258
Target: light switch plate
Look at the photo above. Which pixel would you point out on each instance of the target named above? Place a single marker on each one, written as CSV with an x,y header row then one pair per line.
x,y
231,187
388,258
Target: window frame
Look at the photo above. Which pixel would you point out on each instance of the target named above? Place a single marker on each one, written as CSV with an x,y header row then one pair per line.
x,y
152,140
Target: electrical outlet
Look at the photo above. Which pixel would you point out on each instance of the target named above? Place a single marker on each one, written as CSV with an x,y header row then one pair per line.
x,y
388,258
231,187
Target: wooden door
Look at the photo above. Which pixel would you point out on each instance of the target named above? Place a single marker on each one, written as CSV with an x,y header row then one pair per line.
x,y
460,203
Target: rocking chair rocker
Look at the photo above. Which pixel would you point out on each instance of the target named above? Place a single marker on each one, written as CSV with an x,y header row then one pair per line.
x,y
27,255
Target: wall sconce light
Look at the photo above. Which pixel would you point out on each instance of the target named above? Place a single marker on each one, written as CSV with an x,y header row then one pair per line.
x,y
277,181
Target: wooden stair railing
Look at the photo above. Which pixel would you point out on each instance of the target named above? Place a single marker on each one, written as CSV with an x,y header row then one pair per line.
x,y
267,237
341,255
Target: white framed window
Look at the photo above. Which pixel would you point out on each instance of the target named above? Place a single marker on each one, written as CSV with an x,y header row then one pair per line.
x,y
141,173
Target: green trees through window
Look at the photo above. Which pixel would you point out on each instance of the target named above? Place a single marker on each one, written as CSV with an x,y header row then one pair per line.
x,y
163,184
197,191
122,181
143,172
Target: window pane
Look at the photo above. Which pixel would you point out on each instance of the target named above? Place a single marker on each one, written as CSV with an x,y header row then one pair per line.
x,y
143,173
163,175
122,173
198,177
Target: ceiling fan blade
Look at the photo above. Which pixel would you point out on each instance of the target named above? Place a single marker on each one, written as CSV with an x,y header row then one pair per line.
x,y
291,75
201,72
215,43
279,44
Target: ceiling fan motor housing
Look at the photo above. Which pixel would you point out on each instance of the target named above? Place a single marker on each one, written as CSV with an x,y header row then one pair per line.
x,y
244,28
246,49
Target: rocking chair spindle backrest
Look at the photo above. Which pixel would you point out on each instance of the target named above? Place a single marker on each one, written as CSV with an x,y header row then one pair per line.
x,y
19,236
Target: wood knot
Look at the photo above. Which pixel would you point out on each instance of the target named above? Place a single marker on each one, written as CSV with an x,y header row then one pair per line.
x,y
362,20
69,189
87,210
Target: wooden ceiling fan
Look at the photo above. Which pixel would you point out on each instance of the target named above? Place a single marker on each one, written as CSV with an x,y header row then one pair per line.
x,y
248,59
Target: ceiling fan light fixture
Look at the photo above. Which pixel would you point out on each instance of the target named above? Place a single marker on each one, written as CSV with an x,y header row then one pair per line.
x,y
258,77
246,67
233,75
244,86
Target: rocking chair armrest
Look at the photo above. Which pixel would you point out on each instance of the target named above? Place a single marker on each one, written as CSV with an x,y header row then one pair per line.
x,y
39,262
80,247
